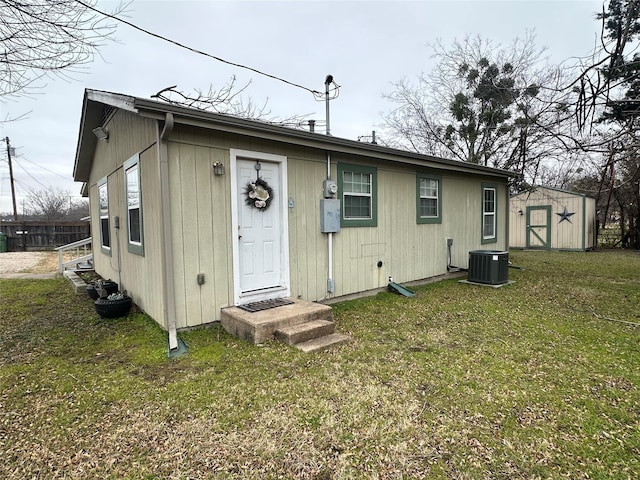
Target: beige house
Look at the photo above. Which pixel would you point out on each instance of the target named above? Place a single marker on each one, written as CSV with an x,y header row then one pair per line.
x,y
550,218
194,211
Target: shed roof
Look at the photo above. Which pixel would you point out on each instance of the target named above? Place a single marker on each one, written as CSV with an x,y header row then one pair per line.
x,y
534,188
97,104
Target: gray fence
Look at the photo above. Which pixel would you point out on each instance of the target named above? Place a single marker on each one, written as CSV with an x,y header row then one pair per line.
x,y
38,235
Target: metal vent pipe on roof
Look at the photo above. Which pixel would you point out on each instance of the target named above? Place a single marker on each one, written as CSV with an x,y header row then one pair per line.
x,y
328,81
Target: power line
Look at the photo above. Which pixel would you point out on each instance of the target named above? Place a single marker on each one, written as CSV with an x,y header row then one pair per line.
x,y
22,157
32,177
315,93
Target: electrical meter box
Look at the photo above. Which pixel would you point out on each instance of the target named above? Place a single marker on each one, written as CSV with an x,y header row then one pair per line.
x,y
329,189
329,215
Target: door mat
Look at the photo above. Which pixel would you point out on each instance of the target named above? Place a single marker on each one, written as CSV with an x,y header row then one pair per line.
x,y
265,305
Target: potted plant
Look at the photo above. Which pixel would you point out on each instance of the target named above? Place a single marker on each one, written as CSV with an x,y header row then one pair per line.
x,y
113,305
96,286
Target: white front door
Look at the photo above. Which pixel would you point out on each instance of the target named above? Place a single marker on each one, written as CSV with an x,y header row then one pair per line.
x,y
260,243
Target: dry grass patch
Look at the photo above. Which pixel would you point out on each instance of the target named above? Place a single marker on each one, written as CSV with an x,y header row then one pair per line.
x,y
535,380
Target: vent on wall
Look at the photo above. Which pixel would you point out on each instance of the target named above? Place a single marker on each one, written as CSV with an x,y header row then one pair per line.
x,y
489,266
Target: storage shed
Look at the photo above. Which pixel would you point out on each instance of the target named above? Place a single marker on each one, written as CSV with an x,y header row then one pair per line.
x,y
551,218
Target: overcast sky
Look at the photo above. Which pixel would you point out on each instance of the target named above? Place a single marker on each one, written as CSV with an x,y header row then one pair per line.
x,y
365,45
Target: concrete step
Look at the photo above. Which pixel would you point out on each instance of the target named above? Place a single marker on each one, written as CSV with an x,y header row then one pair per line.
x,y
303,332
323,343
260,327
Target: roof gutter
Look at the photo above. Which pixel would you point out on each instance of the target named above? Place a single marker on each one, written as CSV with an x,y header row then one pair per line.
x,y
166,243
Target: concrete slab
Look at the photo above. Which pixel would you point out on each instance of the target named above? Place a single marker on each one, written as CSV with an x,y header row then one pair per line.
x,y
487,284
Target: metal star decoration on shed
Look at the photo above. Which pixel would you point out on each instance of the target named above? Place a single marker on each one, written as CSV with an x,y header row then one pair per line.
x,y
565,215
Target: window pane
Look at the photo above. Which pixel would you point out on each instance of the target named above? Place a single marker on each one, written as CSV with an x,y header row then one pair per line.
x,y
428,207
134,225
133,204
357,207
103,207
365,183
355,182
133,188
104,230
428,187
488,228
103,199
489,200
347,181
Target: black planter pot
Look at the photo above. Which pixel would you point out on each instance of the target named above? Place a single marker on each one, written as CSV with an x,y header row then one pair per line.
x,y
109,286
113,308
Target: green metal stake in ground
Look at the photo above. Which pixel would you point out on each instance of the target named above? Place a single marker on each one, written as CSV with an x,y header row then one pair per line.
x,y
394,287
179,351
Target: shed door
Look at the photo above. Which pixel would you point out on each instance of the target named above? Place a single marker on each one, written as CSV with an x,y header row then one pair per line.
x,y
539,226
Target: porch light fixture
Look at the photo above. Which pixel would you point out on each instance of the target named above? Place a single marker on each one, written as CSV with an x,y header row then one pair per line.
x,y
101,133
520,212
218,168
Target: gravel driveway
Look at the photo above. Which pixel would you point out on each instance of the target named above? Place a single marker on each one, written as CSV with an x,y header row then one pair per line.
x,y
28,264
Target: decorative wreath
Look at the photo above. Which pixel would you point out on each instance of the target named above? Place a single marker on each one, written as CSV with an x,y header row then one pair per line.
x,y
258,194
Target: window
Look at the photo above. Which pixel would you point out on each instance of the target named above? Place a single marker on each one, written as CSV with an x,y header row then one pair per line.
x,y
428,195
488,214
134,205
357,186
103,210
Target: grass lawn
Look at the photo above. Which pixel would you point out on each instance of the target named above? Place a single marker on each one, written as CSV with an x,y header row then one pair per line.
x,y
538,379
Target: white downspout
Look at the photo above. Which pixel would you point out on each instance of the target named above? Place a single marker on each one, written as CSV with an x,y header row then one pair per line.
x,y
166,243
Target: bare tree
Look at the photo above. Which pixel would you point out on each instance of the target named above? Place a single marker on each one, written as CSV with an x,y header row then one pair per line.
x,y
78,210
486,104
608,101
228,100
49,204
613,66
47,37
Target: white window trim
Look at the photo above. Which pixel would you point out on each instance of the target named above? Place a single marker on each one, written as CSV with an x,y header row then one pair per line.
x,y
371,172
426,219
102,183
134,246
369,195
492,214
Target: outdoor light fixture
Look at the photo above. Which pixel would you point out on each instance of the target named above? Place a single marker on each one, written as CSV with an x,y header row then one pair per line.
x,y
520,212
101,133
218,168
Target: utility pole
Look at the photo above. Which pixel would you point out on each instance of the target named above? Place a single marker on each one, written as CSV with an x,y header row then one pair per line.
x,y
13,187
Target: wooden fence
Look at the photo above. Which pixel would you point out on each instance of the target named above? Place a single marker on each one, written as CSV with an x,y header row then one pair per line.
x,y
39,235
